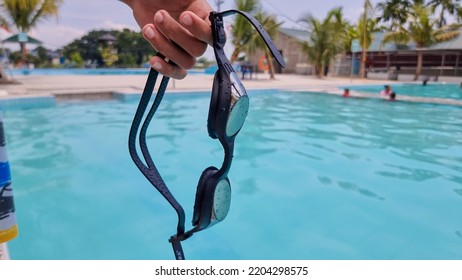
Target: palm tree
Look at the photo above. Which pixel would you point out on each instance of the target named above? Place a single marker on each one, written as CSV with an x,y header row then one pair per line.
x,y
452,7
423,31
325,39
25,14
394,11
351,33
270,24
3,24
242,29
366,37
367,26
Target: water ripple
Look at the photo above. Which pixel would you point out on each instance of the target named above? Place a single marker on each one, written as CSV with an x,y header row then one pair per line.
x,y
366,175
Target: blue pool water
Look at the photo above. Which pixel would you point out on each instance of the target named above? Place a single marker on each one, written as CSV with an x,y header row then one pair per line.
x,y
314,177
440,90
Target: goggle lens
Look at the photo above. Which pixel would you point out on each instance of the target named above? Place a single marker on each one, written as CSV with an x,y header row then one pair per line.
x,y
222,199
239,106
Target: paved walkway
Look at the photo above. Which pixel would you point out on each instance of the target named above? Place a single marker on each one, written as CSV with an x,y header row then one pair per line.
x,y
103,86
50,85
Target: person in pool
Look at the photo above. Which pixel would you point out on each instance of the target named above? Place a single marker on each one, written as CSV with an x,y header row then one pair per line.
x,y
392,96
386,91
179,29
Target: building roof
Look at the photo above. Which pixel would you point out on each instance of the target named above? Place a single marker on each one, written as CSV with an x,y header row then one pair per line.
x,y
297,34
377,46
454,44
107,38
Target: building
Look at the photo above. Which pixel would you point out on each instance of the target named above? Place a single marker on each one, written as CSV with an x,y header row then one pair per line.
x,y
393,61
288,42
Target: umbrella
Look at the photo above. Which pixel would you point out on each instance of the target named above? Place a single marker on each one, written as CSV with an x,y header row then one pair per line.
x,y
22,38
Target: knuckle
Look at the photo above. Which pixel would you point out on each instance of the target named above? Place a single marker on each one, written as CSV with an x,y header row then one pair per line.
x,y
189,63
199,51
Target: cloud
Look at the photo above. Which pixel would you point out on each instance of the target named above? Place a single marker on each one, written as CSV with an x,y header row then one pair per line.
x,y
110,25
57,36
77,18
352,13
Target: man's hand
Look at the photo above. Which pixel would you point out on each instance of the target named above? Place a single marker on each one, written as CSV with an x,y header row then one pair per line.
x,y
178,29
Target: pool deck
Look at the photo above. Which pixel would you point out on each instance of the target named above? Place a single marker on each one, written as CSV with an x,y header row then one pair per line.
x,y
104,86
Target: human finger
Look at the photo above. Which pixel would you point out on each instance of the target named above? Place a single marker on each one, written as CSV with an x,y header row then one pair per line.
x,y
168,48
175,32
197,26
167,69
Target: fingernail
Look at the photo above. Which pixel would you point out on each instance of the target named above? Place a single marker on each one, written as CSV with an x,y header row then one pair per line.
x,y
149,32
187,20
157,66
159,18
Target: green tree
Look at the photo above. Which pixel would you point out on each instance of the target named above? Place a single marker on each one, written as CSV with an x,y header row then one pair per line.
x,y
422,29
395,12
77,59
324,42
3,23
127,60
132,48
41,57
451,7
109,55
242,29
25,14
255,42
366,28
17,56
87,46
351,33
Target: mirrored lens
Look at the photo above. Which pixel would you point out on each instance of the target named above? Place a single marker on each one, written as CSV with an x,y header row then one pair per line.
x,y
222,199
237,116
238,108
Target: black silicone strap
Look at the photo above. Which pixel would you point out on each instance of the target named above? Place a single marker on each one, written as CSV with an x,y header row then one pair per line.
x,y
277,55
149,169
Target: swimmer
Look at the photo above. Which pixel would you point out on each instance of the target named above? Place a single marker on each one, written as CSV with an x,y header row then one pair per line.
x,y
386,91
392,96
346,92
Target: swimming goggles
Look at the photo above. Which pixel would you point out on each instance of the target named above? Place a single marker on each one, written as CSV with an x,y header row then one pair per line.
x,y
228,109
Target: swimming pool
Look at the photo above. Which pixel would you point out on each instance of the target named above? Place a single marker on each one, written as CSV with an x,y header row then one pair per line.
x,y
314,177
440,90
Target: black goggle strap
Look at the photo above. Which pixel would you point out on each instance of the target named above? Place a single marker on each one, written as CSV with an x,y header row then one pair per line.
x,y
228,146
219,41
149,169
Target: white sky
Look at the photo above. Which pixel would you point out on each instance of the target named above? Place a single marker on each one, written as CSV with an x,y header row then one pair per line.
x,y
77,17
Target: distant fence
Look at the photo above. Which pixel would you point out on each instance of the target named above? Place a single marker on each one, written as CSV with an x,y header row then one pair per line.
x,y
383,66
